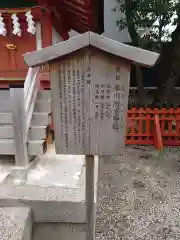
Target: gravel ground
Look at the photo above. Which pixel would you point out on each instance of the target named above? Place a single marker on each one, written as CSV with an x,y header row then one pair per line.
x,y
139,195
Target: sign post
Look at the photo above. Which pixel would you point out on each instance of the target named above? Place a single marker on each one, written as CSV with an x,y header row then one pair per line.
x,y
90,77
89,200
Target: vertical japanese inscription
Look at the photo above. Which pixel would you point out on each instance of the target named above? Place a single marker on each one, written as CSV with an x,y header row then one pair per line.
x,y
78,105
69,84
61,85
82,96
78,89
109,101
74,106
102,100
118,102
91,105
65,106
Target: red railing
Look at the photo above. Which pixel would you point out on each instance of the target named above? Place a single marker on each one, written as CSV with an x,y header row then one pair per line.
x,y
170,127
153,127
140,124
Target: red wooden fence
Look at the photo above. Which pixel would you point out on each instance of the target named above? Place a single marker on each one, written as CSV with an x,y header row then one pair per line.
x,y
159,127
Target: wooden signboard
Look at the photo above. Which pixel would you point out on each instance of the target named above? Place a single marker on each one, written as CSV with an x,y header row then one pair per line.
x,y
90,84
89,98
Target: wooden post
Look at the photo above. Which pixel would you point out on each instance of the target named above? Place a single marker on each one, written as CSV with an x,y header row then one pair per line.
x,y
38,36
19,125
89,188
157,133
46,30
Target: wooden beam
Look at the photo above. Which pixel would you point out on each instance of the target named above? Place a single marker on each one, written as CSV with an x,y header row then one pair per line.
x,y
38,36
46,23
62,29
85,4
89,188
36,11
19,125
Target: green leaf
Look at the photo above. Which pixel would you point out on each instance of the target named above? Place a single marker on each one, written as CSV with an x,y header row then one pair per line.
x,y
156,15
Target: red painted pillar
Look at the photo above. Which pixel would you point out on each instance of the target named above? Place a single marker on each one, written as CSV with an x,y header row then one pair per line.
x,y
46,23
46,31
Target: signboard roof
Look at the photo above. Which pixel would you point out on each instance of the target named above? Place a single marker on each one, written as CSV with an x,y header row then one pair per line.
x,y
133,54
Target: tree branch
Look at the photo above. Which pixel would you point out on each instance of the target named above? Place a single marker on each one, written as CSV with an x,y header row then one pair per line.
x,y
136,41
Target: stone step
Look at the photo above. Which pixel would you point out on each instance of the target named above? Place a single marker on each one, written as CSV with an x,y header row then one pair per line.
x,y
38,132
6,132
35,132
4,95
43,106
38,119
16,223
4,91
43,101
35,147
41,119
5,118
44,95
5,105
40,106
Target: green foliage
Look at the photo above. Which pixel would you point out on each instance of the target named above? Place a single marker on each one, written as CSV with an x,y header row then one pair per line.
x,y
152,20
16,3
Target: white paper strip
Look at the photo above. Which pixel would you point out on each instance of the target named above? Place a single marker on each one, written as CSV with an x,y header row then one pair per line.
x,y
31,24
16,25
3,30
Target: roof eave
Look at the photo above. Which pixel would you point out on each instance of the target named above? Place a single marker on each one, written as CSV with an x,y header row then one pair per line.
x,y
133,54
136,55
58,50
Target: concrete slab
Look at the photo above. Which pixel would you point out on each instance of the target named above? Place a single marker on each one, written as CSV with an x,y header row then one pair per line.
x,y
56,170
53,186
59,231
49,169
49,204
15,223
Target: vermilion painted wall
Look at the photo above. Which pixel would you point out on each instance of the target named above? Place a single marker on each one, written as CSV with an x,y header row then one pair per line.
x,y
12,64
11,61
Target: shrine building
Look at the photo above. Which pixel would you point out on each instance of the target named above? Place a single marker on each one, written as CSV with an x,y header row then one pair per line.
x,y
28,25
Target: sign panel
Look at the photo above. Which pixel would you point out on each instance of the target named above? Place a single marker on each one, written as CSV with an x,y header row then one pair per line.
x,y
108,99
90,97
